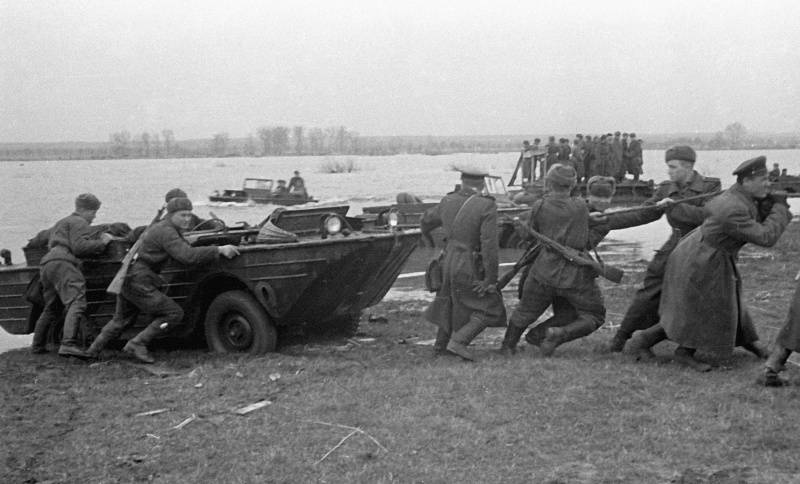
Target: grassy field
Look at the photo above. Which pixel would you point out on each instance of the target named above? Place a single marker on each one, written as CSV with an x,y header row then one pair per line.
x,y
379,408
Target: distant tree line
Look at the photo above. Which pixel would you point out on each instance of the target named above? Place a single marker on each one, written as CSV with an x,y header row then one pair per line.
x,y
302,141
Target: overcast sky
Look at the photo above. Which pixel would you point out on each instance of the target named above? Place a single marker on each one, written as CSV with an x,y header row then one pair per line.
x,y
79,70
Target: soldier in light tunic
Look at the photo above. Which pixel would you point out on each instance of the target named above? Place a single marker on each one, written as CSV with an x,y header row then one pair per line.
x,y
63,283
141,291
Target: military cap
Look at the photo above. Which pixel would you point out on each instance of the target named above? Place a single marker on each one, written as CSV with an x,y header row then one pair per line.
x,y
561,174
86,201
680,152
633,135
174,193
179,203
281,182
472,174
601,186
616,133
753,167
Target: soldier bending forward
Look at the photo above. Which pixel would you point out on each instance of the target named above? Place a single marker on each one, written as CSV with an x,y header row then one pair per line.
x,y
141,291
552,277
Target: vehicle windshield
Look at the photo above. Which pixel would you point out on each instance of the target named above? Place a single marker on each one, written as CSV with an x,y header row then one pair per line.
x,y
257,184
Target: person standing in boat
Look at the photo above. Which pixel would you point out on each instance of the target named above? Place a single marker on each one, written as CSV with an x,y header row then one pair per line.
x,y
617,150
684,182
297,186
281,190
701,303
142,288
526,162
63,283
468,300
635,157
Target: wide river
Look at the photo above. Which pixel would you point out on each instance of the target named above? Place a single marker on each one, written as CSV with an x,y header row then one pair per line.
x,y
36,194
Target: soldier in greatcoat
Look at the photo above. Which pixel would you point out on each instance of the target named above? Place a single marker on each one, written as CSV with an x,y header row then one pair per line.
x,y
701,304
684,182
603,158
468,300
617,151
142,288
787,341
63,283
634,158
552,277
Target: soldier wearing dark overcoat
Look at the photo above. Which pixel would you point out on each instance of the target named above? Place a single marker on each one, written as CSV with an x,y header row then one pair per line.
x,y
701,304
551,148
634,158
63,284
684,182
142,288
603,158
468,300
617,151
552,277
787,341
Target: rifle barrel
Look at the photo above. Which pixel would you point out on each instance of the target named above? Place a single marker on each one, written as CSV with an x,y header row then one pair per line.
x,y
650,207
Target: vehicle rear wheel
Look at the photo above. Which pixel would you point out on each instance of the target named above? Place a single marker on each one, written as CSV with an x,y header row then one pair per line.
x,y
236,322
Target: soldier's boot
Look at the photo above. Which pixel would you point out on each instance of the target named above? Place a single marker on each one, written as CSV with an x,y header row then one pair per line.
x,y
557,336
757,348
685,356
643,341
39,344
137,346
99,343
510,340
440,345
458,343
774,365
617,343
535,336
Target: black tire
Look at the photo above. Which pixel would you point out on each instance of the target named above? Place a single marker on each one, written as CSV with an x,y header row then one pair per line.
x,y
236,322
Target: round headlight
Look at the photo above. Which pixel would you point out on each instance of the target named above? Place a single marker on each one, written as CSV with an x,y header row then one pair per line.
x,y
393,219
333,225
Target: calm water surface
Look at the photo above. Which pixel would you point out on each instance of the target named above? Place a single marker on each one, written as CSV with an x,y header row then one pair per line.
x,y
36,194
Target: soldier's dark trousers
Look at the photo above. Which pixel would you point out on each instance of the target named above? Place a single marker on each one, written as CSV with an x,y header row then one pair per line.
x,y
64,289
563,314
586,303
469,331
643,311
140,298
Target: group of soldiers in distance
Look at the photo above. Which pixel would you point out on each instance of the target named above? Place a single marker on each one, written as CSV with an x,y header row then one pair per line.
x,y
691,292
604,155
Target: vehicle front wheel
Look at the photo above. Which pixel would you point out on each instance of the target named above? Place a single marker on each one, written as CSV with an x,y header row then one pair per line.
x,y
236,322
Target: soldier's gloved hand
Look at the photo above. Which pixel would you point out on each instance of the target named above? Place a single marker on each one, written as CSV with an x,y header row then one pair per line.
x,y
106,237
665,203
228,251
597,218
484,287
779,196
